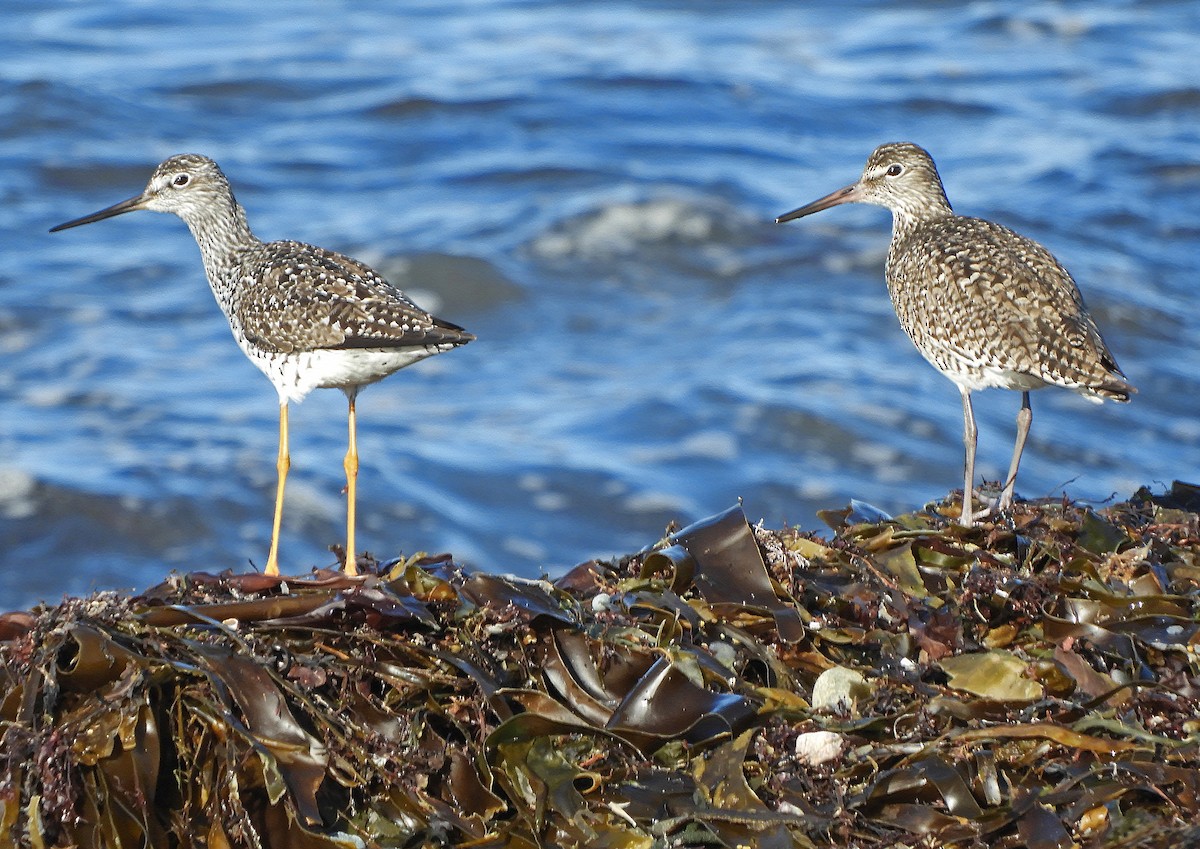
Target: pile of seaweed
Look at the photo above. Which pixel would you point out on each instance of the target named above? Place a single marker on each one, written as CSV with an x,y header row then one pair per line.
x,y
1033,681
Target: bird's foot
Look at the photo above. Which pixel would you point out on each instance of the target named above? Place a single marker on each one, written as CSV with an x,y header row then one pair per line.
x,y
363,563
997,508
967,515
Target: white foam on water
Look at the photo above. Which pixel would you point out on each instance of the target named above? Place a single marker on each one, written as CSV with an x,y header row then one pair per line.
x,y
17,494
621,229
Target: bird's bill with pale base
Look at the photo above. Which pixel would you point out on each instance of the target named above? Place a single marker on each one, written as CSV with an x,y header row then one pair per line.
x,y
124,206
850,194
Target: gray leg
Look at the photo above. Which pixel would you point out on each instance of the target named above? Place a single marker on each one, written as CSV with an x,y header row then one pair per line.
x,y
1024,419
970,435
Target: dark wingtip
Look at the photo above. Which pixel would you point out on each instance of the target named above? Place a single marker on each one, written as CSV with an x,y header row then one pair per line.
x,y
463,336
1117,390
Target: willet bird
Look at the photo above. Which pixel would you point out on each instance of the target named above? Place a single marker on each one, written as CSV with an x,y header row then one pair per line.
x,y
985,306
309,318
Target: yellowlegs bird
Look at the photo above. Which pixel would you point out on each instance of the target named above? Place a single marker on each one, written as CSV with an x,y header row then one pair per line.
x,y
309,318
985,306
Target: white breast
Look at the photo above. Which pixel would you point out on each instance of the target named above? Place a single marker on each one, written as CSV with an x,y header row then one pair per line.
x,y
295,375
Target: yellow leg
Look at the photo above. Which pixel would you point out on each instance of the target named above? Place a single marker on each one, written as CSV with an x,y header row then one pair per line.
x,y
351,464
282,464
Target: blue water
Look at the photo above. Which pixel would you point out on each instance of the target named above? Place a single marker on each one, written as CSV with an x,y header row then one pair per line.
x,y
588,187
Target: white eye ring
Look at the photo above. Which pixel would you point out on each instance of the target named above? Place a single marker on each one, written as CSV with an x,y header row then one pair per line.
x,y
895,170
180,180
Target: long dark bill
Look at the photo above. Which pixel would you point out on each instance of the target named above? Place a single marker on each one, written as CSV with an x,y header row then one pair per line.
x,y
846,195
108,212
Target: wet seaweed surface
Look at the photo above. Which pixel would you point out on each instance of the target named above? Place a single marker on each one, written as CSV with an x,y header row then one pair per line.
x,y
902,682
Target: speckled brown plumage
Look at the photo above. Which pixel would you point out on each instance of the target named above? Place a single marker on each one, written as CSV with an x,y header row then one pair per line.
x,y
986,306
307,317
304,297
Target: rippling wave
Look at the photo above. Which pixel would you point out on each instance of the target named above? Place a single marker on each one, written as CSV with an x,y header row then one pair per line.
x,y
590,190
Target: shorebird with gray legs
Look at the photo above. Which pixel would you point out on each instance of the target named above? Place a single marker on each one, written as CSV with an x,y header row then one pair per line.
x,y
309,318
985,306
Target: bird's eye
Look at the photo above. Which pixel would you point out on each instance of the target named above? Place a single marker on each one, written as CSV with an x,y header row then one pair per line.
x,y
180,180
896,170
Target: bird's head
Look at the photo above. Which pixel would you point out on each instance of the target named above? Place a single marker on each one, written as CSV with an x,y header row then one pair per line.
x,y
900,176
188,185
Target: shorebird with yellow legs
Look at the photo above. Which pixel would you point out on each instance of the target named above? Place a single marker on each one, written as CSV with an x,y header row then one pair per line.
x,y
309,318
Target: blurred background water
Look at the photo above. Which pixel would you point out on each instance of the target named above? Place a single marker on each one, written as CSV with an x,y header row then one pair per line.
x,y
589,187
